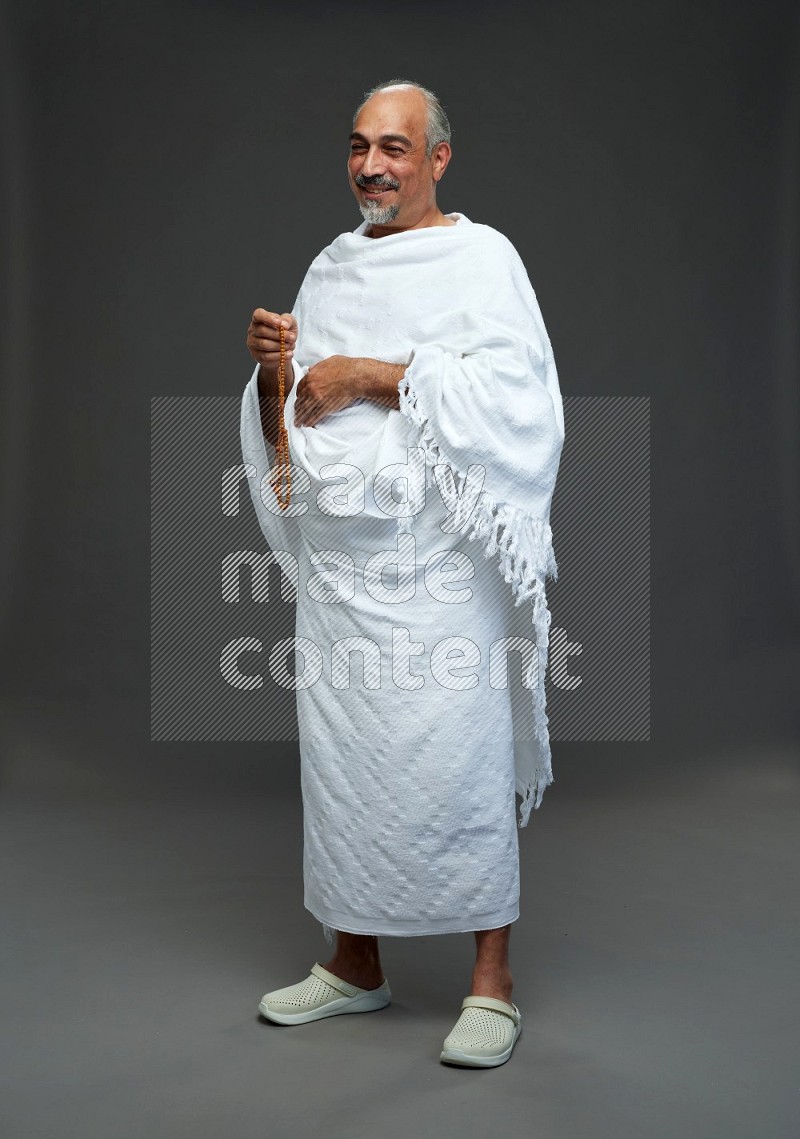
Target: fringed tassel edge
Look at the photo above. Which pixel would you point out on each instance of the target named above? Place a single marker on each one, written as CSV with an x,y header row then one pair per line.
x,y
524,545
523,541
542,776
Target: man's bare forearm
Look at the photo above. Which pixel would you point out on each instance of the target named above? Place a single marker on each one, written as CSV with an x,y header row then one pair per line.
x,y
379,381
371,379
268,381
268,398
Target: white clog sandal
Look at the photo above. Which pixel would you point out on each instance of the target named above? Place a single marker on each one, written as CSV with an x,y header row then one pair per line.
x,y
321,994
484,1035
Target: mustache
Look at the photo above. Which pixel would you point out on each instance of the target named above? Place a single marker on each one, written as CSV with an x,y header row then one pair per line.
x,y
376,180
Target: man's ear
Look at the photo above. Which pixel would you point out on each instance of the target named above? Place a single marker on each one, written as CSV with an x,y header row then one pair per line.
x,y
441,157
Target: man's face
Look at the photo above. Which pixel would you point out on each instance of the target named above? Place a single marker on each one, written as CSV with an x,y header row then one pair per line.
x,y
391,178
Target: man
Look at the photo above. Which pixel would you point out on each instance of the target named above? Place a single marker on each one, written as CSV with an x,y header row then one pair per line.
x,y
416,345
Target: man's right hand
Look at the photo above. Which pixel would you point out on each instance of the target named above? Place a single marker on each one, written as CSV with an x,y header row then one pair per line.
x,y
263,338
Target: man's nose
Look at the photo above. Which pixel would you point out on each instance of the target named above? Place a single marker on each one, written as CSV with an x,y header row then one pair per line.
x,y
373,163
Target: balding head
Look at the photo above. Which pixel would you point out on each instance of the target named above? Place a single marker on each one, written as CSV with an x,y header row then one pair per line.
x,y
437,126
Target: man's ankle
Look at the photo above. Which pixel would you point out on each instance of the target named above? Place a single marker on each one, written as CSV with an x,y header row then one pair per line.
x,y
359,979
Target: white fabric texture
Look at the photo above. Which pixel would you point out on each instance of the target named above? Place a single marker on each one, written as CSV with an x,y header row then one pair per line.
x,y
408,785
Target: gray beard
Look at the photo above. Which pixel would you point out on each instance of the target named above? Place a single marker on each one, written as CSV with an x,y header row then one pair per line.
x,y
376,214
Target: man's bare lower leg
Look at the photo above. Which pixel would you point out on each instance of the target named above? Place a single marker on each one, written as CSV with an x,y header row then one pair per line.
x,y
491,976
357,960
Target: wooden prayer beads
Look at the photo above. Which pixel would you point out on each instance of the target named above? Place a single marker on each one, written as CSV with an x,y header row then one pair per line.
x,y
281,476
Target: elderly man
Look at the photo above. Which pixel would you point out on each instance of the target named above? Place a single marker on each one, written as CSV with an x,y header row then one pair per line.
x,y
415,359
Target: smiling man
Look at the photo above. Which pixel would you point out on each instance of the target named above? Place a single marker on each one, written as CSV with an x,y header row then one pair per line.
x,y
417,362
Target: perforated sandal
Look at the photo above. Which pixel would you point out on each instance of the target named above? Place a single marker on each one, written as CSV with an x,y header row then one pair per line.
x,y
321,994
484,1035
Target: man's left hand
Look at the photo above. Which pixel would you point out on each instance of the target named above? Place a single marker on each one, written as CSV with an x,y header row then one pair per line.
x,y
327,386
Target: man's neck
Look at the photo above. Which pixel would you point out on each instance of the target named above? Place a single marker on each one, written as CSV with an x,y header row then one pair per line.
x,y
433,217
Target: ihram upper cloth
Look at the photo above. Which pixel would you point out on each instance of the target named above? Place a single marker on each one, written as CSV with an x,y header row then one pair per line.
x,y
411,750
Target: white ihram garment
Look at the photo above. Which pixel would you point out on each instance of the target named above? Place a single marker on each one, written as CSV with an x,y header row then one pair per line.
x,y
408,786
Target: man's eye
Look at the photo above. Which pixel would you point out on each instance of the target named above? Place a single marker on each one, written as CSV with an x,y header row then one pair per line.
x,y
394,149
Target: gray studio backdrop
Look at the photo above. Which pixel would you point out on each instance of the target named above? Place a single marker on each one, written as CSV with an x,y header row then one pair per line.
x,y
169,168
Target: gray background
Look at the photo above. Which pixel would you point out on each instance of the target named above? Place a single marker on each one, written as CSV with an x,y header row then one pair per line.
x,y
169,168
